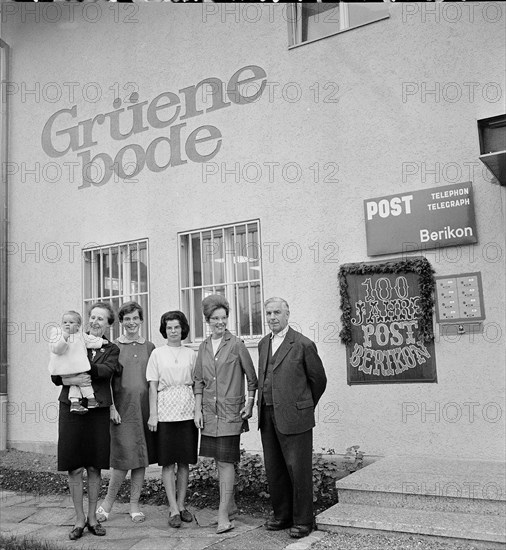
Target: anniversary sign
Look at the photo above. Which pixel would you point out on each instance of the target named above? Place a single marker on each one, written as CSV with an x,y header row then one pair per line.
x,y
387,321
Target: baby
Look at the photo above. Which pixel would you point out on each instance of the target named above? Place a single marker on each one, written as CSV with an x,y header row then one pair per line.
x,y
68,358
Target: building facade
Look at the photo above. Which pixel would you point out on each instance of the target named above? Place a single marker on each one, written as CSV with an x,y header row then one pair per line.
x,y
164,152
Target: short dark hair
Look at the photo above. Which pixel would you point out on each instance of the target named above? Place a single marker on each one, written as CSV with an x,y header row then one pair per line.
x,y
213,302
130,307
175,316
104,305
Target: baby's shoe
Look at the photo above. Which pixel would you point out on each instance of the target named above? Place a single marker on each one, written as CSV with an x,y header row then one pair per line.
x,y
92,403
77,408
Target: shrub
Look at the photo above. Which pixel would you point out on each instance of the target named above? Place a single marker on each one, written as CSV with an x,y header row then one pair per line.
x,y
353,459
252,480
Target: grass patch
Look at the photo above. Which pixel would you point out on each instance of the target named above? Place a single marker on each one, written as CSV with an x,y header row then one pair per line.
x,y
26,543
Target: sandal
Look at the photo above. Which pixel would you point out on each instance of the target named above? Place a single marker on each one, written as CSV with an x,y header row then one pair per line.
x,y
137,517
101,514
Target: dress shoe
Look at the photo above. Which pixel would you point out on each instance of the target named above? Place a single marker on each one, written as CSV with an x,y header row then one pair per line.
x,y
300,531
175,521
76,533
96,529
186,516
274,524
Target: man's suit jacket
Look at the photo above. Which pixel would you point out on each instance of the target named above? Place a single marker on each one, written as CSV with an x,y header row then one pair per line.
x,y
298,382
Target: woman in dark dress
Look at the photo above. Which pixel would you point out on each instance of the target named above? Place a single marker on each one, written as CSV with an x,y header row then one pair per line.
x,y
83,440
133,446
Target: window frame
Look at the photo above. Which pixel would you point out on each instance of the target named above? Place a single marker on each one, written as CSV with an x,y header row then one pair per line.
x,y
294,15
5,59
233,324
97,287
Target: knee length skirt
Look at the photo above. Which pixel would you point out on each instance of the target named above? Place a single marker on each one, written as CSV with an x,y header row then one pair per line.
x,y
83,440
224,449
177,442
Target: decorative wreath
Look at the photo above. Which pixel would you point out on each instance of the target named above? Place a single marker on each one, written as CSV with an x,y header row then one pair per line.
x,y
421,266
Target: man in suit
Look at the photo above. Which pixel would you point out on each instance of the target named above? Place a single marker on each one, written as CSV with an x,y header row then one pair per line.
x,y
291,380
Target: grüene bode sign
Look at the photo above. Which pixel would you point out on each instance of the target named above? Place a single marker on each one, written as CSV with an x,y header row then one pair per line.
x,y
169,111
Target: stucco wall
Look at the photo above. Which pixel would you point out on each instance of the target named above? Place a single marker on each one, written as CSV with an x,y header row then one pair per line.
x,y
361,118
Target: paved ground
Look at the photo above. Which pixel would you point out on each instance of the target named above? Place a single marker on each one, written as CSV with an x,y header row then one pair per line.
x,y
50,518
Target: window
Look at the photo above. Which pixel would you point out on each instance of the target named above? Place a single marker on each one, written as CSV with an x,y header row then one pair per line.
x,y
117,274
312,21
222,260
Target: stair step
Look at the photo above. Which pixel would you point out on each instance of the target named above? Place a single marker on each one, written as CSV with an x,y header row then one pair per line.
x,y
452,525
439,501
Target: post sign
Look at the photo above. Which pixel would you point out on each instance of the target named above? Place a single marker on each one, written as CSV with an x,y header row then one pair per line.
x,y
428,218
384,308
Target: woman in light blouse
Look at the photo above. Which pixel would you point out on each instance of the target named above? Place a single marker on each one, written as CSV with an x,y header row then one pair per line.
x,y
220,406
171,411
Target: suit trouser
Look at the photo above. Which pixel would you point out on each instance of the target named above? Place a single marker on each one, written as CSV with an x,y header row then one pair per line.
x,y
289,467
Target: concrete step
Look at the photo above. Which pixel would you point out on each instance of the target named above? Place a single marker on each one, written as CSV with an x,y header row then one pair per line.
x,y
447,525
455,499
422,483
432,503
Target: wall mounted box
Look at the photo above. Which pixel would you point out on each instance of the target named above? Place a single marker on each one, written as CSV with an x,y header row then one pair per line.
x,y
492,134
459,303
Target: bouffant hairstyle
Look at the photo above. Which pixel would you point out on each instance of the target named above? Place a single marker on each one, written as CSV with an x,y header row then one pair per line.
x,y
213,302
107,307
175,316
130,307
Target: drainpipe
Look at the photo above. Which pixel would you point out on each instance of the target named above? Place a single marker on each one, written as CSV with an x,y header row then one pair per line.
x,y
4,220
